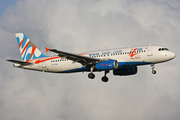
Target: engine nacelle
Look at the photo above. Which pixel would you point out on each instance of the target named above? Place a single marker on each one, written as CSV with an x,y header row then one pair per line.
x,y
107,65
131,70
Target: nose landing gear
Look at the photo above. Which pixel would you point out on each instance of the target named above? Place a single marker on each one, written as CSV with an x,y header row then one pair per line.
x,y
153,71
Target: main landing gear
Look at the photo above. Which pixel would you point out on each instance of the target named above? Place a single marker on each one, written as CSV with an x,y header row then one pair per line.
x,y
153,71
92,76
105,78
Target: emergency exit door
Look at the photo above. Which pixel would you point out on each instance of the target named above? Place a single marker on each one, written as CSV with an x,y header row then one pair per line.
x,y
150,51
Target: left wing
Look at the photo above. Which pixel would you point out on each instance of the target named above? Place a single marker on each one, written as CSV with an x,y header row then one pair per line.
x,y
75,57
22,63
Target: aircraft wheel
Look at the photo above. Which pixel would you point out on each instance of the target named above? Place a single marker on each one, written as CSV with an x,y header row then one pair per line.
x,y
105,79
153,72
91,75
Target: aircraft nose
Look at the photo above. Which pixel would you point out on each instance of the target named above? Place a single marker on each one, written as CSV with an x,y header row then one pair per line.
x,y
172,55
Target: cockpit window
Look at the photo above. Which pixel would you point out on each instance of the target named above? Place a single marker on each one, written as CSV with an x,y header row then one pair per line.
x,y
162,49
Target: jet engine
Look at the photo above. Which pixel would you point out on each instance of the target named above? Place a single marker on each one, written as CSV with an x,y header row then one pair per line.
x,y
107,65
131,70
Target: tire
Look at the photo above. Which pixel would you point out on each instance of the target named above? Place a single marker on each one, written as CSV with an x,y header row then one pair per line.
x,y
104,79
91,75
153,72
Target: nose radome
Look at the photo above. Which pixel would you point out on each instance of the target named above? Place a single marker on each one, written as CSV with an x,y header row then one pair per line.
x,y
172,55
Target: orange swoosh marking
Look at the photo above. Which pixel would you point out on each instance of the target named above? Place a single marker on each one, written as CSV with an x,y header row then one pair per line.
x,y
131,54
39,61
33,50
24,48
21,42
84,54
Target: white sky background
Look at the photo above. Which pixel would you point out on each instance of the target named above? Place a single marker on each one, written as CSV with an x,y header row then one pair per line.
x,y
86,25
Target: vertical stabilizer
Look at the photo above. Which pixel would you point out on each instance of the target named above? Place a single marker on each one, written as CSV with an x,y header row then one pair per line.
x,y
27,49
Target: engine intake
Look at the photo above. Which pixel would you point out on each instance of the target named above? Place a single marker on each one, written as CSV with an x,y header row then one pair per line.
x,y
131,70
107,65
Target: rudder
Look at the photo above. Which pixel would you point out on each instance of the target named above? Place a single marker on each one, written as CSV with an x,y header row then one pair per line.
x,y
27,49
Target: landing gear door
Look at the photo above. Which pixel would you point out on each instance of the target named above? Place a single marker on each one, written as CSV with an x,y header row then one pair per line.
x,y
150,51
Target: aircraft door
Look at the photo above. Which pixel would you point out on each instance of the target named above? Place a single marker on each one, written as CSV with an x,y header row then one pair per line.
x,y
150,51
43,65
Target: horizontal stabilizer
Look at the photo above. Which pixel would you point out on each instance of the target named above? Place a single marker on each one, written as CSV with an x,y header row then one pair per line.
x,y
20,62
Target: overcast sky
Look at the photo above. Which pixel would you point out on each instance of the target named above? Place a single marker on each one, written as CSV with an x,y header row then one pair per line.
x,y
86,25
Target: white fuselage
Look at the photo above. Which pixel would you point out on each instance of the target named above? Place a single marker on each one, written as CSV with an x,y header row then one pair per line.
x,y
133,56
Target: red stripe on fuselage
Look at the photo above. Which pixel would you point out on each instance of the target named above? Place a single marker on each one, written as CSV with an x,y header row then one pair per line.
x,y
43,60
84,54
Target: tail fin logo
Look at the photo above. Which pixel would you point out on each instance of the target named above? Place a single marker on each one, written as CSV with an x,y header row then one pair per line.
x,y
27,49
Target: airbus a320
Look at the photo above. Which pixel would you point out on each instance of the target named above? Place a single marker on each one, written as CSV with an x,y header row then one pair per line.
x,y
122,61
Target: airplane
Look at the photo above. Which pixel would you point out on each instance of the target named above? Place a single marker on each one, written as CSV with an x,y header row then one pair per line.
x,y
122,61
